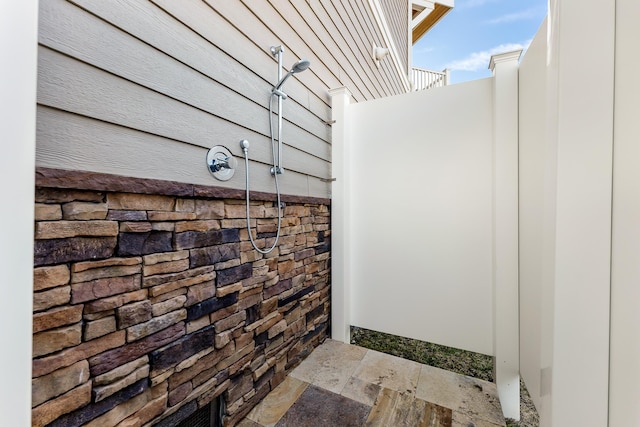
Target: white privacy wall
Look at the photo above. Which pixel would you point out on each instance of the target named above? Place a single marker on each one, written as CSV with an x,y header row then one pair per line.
x,y
568,271
624,381
535,208
580,130
18,37
421,215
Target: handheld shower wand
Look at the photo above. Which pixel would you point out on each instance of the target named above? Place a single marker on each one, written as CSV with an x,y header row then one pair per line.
x,y
298,67
277,169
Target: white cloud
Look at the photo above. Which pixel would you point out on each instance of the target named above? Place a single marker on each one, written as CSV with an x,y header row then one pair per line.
x,y
480,60
523,15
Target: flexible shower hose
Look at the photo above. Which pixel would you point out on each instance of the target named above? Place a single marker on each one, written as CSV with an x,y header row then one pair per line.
x,y
245,148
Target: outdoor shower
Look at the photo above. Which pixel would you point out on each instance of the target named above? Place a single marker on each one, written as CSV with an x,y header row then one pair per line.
x,y
277,168
222,164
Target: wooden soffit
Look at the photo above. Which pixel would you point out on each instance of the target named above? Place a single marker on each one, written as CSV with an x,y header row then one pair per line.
x,y
419,30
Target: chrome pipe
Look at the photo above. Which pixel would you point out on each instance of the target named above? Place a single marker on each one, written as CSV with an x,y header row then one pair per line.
x,y
278,51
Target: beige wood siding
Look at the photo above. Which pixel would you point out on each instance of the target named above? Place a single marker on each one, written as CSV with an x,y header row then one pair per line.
x,y
144,88
396,13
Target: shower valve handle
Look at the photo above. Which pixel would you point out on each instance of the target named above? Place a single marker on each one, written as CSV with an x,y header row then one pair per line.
x,y
223,162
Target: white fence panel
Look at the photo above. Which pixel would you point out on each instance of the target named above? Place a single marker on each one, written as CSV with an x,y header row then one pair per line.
x,y
421,215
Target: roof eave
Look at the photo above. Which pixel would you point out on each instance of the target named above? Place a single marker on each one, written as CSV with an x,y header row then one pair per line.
x,y
438,12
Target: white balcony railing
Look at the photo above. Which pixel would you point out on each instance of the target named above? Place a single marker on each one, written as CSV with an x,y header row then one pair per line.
x,y
427,79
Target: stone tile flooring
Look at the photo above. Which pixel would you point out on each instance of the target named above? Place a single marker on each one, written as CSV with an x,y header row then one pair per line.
x,y
344,385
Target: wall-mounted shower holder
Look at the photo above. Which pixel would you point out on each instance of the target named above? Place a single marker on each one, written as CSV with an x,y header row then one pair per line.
x,y
221,163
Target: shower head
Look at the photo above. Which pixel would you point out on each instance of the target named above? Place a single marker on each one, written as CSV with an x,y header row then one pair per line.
x,y
299,66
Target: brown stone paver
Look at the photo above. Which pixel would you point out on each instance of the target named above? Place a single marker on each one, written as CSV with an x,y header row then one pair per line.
x,y
345,385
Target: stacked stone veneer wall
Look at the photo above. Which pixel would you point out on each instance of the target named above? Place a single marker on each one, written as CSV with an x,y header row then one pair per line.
x,y
148,306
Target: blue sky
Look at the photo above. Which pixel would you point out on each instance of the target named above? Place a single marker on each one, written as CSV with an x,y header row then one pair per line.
x,y
466,37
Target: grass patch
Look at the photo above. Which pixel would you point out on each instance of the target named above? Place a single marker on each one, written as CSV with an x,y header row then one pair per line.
x,y
452,359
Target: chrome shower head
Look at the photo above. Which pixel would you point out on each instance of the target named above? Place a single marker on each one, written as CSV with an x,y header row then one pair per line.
x,y
299,66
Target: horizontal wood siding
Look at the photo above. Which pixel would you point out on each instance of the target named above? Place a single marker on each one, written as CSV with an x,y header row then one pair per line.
x,y
144,88
397,16
363,14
